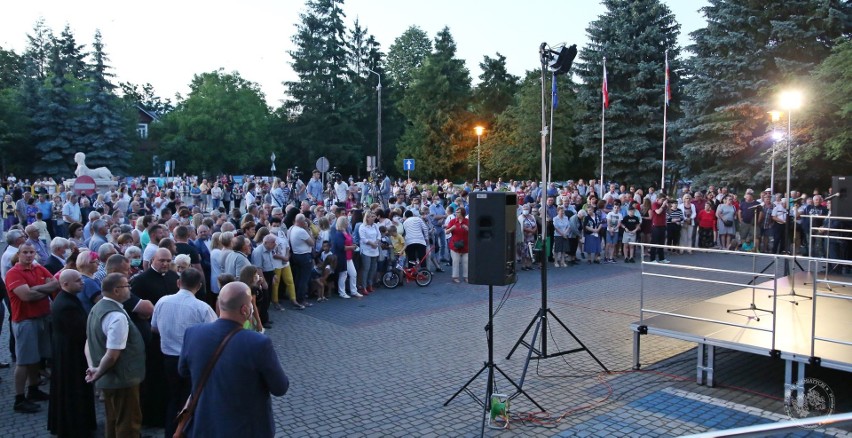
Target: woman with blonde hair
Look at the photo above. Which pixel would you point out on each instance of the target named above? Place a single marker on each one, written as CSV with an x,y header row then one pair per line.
x,y
342,245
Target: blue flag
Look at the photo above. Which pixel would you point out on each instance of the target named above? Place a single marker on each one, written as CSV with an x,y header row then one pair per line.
x,y
555,97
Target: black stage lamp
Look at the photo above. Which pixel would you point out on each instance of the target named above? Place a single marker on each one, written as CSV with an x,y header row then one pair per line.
x,y
561,64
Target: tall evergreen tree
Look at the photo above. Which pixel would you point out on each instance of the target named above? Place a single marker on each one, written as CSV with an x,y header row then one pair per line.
x,y
407,54
745,55
633,35
55,126
320,112
104,122
436,106
496,88
71,54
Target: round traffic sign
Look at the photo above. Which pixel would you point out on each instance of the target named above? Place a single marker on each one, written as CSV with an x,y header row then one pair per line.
x,y
84,184
322,164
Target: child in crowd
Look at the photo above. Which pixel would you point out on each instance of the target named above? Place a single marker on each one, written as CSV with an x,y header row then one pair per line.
x,y
398,243
613,225
324,266
385,252
630,225
39,223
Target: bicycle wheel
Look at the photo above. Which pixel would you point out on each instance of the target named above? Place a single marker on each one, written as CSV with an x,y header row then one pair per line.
x,y
424,277
390,279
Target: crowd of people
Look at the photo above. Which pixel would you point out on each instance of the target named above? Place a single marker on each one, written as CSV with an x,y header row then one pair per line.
x,y
134,271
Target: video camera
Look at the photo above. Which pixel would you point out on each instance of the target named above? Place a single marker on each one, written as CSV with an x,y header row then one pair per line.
x,y
377,175
334,175
294,174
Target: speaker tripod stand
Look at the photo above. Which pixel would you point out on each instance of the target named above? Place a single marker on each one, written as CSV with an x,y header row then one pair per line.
x,y
490,366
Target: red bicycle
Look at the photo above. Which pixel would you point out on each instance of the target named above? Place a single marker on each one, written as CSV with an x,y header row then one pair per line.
x,y
416,273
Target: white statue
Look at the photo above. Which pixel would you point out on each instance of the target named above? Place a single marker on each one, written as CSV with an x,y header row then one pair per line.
x,y
99,173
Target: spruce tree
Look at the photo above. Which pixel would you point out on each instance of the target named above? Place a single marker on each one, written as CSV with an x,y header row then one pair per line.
x,y
320,112
748,52
104,121
54,120
496,88
633,35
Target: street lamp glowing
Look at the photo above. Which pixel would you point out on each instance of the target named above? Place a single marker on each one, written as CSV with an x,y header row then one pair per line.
x,y
790,100
479,130
777,135
775,115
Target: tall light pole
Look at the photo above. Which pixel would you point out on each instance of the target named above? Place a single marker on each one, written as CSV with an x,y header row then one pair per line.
x,y
378,120
790,100
478,130
776,116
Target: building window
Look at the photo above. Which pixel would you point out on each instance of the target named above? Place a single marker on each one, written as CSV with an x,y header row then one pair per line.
x,y
142,130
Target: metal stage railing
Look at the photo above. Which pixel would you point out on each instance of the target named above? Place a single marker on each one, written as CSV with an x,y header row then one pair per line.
x,y
828,232
752,274
813,263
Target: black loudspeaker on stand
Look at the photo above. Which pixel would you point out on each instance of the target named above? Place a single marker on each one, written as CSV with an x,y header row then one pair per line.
x,y
841,186
492,263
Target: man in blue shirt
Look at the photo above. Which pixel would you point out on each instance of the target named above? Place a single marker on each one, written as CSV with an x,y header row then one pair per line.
x,y
236,399
314,189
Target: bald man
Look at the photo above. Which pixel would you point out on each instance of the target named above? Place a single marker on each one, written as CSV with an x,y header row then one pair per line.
x,y
71,411
236,399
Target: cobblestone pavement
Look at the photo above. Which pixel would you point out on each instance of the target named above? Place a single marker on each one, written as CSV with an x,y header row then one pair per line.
x,y
383,366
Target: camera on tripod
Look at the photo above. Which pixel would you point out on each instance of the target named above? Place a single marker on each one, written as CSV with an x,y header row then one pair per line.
x,y
334,175
377,175
294,174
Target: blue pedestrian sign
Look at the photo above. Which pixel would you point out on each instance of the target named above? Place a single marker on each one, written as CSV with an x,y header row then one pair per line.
x,y
408,164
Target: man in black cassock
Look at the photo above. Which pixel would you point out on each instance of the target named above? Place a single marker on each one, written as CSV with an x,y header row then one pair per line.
x,y
152,284
71,412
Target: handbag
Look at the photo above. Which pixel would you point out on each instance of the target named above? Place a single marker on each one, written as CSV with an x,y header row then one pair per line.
x,y
728,223
458,244
188,410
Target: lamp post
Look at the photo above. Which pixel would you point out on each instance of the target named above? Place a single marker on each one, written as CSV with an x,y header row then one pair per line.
x,y
478,130
378,120
790,100
776,116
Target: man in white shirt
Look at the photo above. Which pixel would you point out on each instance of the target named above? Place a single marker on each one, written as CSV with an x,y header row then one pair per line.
x,y
340,190
173,314
71,211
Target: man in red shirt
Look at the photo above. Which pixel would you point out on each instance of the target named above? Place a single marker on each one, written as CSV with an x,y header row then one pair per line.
x,y
29,285
658,227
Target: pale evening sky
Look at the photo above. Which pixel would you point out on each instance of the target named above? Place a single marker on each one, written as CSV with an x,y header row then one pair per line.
x,y
167,42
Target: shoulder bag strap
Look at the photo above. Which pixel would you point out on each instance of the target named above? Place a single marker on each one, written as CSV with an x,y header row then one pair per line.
x,y
193,401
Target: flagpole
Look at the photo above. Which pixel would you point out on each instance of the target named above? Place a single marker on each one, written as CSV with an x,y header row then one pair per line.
x,y
603,112
665,120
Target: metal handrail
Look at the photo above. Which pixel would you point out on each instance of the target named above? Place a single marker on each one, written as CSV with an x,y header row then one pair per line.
x,y
643,310
715,321
760,430
703,280
723,271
